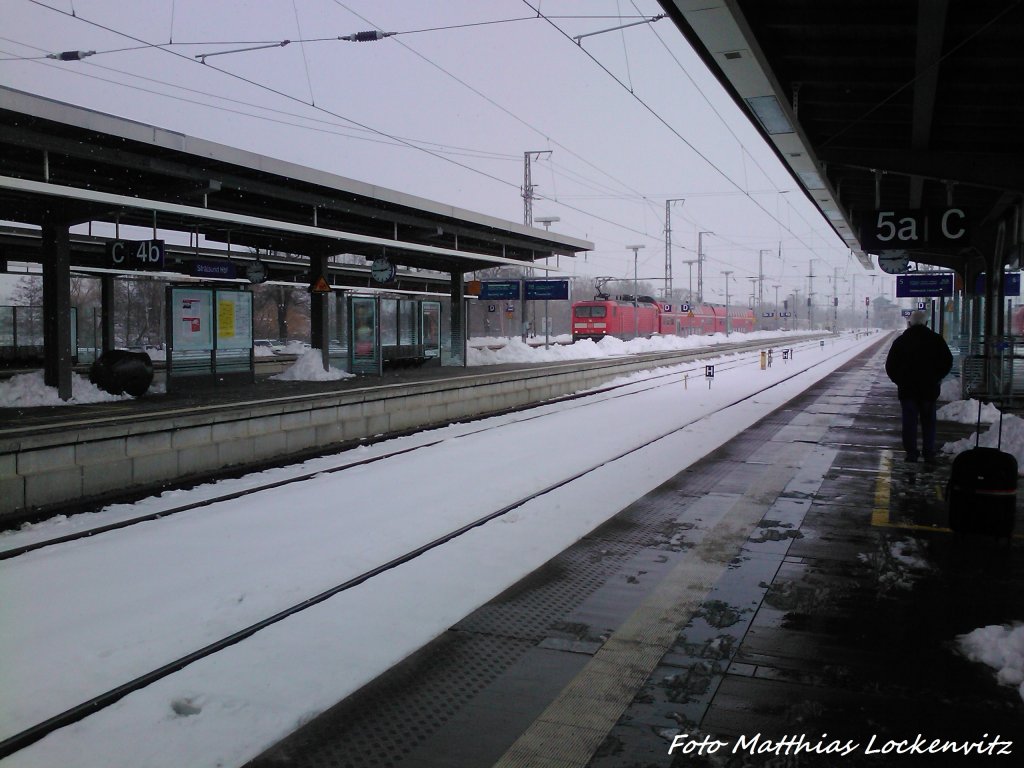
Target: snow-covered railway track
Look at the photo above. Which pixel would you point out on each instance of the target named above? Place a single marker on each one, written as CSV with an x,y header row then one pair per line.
x,y
30,735
741,356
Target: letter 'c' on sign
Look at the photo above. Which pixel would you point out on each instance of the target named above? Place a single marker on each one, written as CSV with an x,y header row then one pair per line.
x,y
946,224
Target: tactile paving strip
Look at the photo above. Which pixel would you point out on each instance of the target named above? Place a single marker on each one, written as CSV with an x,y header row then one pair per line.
x,y
378,726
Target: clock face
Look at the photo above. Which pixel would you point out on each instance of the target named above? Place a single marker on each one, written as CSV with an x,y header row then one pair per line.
x,y
256,273
894,262
382,270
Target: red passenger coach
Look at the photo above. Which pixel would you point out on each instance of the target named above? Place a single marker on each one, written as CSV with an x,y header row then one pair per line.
x,y
615,317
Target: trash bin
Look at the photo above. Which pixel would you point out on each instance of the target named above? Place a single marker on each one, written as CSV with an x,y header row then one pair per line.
x,y
118,371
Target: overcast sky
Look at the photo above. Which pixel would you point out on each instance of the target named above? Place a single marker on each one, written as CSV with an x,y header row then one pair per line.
x,y
446,108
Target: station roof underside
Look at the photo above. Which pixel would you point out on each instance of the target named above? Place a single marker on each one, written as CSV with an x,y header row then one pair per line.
x,y
923,98
77,165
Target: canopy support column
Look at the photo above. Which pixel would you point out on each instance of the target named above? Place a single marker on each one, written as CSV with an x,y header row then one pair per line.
x,y
56,244
457,357
319,310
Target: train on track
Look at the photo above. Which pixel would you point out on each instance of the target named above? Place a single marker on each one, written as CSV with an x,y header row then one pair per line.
x,y
623,318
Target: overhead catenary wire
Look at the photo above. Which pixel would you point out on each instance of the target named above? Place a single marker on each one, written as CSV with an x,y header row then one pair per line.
x,y
278,92
347,131
404,142
358,37
668,125
396,139
385,137
527,124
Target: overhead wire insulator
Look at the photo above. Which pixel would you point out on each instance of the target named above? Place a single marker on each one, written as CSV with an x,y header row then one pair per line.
x,y
366,37
70,55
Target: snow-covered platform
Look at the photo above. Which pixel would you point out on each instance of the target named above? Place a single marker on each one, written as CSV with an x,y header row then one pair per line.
x,y
792,599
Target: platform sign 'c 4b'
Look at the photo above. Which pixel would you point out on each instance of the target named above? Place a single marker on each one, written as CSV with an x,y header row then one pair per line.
x,y
135,255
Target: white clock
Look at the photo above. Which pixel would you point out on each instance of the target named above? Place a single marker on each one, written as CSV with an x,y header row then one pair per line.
x,y
382,270
894,262
256,272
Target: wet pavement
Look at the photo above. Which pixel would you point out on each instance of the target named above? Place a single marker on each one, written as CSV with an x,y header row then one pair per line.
x,y
797,587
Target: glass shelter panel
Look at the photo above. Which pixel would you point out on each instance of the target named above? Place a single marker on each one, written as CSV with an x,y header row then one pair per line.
x,y
408,323
388,322
430,313
364,335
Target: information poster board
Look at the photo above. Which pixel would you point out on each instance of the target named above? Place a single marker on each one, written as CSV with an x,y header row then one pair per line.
x,y
234,319
431,311
209,335
191,312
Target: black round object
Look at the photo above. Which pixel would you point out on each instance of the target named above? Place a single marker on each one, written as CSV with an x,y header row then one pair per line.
x,y
118,371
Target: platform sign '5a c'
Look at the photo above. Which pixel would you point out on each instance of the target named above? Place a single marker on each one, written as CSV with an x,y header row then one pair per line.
x,y
135,254
906,228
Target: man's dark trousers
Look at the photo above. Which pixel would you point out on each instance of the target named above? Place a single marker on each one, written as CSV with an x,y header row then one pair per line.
x,y
914,411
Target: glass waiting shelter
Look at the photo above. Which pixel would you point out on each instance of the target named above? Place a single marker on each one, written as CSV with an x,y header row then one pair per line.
x,y
387,333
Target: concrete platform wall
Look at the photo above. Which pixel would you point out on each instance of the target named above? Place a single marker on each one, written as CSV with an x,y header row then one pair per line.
x,y
87,461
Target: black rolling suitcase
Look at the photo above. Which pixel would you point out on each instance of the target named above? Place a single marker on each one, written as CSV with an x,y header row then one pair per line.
x,y
982,490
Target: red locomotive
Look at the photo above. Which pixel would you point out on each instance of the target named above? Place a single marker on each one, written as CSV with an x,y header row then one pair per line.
x,y
623,318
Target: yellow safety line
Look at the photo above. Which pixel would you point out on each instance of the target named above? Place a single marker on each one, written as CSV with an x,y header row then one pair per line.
x,y
880,514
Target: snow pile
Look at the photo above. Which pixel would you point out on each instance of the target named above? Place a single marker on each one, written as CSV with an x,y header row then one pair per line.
x,y
310,367
513,350
1002,648
950,389
1012,439
25,390
897,564
966,412
294,347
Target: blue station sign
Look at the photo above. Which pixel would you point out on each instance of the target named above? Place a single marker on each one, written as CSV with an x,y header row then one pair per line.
x,y
932,284
221,269
544,290
500,290
1011,284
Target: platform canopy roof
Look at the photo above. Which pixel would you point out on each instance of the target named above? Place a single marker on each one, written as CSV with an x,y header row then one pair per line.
x,y
908,104
64,161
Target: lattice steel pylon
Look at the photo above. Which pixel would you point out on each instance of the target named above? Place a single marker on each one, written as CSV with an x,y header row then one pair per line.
x,y
528,185
668,246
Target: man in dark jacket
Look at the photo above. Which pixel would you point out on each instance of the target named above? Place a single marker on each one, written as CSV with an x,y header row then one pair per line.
x,y
917,362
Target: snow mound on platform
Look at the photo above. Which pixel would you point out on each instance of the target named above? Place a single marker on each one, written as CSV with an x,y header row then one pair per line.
x,y
309,367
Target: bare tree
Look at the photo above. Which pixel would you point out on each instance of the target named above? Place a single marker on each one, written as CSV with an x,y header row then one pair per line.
x,y
280,312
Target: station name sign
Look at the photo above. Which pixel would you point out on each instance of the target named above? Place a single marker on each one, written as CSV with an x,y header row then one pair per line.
x,y
895,228
136,255
924,285
531,290
499,289
544,290
221,269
